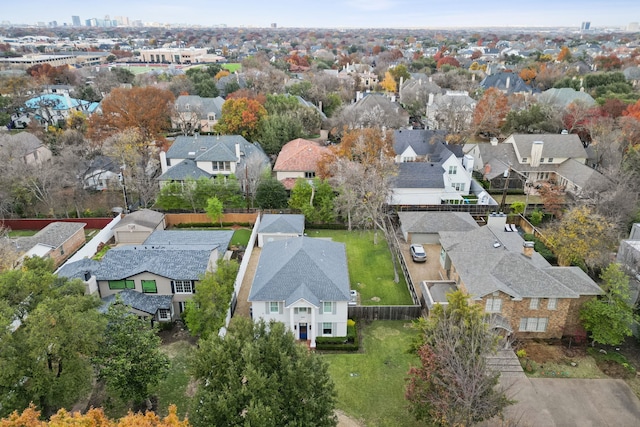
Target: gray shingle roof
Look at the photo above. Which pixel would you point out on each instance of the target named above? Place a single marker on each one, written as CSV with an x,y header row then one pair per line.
x,y
175,238
419,175
555,145
423,142
562,97
499,81
77,269
138,301
54,235
144,217
485,268
202,106
182,171
434,222
167,261
302,267
282,223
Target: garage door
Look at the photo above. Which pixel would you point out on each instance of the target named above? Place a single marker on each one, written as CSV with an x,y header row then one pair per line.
x,y
426,239
132,237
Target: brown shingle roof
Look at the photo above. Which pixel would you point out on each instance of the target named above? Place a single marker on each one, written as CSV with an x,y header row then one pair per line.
x,y
299,155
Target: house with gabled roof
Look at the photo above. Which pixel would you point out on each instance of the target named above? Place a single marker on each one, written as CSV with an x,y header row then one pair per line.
x,y
298,158
193,113
536,159
274,227
209,156
520,291
137,226
304,283
430,171
155,278
507,82
58,241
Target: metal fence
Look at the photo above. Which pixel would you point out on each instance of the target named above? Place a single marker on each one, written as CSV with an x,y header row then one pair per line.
x,y
385,312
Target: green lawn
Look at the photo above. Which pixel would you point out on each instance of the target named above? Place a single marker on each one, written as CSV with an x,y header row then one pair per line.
x,y
232,67
173,388
370,267
370,385
22,233
241,237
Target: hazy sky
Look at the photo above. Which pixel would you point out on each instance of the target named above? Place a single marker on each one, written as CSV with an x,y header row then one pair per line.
x,y
337,13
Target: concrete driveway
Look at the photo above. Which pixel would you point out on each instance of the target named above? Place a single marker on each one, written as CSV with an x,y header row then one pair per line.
x,y
420,271
565,402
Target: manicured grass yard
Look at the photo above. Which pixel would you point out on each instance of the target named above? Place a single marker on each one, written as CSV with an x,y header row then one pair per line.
x,y
241,237
232,67
370,385
22,233
175,387
370,267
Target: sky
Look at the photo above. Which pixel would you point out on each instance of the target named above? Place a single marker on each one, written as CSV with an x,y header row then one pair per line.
x,y
338,13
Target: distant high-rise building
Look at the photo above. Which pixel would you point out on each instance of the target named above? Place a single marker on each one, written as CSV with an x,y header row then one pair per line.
x,y
586,26
633,26
75,21
274,25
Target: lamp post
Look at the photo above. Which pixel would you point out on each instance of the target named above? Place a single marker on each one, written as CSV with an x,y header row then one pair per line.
x,y
124,188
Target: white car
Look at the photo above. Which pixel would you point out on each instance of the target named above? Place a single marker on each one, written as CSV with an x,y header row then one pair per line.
x,y
418,253
353,297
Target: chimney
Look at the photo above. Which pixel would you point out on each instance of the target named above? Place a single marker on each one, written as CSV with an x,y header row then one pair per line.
x,y
536,153
493,141
400,85
467,162
527,249
430,99
506,86
497,220
473,77
163,161
320,105
237,151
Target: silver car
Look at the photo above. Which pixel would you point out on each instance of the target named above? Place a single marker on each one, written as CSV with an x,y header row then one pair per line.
x,y
418,253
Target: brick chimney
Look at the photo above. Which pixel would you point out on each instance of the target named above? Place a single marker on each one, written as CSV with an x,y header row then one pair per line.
x,y
527,249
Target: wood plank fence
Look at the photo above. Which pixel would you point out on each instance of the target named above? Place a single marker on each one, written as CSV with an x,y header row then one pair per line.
x,y
385,312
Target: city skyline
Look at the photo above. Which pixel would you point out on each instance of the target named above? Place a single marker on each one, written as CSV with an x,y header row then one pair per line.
x,y
339,13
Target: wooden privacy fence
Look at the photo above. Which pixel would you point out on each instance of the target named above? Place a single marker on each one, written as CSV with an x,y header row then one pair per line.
x,y
394,247
385,312
200,218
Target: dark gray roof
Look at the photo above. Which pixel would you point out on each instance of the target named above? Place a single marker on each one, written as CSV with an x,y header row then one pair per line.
x,y
77,269
139,301
485,267
555,145
419,175
282,223
434,222
182,171
499,81
423,142
175,238
144,217
301,267
200,105
54,235
181,263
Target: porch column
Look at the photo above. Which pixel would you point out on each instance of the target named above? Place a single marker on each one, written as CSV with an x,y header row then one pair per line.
x,y
292,325
312,328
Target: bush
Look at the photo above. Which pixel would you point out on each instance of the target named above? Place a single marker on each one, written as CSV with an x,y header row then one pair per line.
x,y
536,217
348,343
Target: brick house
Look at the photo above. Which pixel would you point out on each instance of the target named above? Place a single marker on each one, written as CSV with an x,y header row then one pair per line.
x,y
58,241
519,290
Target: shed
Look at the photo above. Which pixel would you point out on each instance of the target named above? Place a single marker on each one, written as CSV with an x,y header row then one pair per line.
x,y
274,227
423,227
136,227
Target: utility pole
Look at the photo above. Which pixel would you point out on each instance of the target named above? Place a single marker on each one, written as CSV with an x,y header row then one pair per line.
x,y
124,189
506,176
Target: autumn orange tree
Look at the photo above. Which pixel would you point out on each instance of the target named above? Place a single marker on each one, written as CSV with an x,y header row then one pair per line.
x,y
389,83
30,417
490,112
528,74
565,54
633,111
241,116
147,109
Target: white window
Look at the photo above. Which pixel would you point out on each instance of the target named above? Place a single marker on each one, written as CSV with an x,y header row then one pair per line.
x,y
552,303
221,166
274,307
327,307
550,159
327,328
453,170
183,286
494,305
458,186
534,304
309,174
533,324
297,310
164,314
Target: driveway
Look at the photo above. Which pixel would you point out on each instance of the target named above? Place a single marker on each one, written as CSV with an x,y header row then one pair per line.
x,y
567,402
420,271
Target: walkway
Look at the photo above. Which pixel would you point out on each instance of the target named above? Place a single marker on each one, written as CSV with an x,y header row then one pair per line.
x,y
242,307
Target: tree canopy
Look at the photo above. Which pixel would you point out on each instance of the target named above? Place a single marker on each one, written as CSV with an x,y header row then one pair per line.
x,y
258,375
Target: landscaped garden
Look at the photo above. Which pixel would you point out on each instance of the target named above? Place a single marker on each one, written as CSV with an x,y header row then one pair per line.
x,y
370,384
370,267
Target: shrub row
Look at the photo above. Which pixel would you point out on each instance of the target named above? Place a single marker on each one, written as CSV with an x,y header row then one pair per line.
x,y
336,344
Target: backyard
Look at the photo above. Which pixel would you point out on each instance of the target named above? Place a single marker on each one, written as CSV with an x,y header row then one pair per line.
x,y
370,384
370,267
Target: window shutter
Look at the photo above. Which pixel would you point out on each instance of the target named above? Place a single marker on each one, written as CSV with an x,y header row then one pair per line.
x,y
280,307
334,329
523,324
267,308
489,305
173,287
193,286
321,307
497,305
333,304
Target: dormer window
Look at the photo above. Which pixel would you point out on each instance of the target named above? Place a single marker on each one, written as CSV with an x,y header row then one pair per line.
x,y
453,170
524,160
186,107
550,160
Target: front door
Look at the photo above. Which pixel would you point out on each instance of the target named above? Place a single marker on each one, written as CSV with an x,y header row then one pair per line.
x,y
303,331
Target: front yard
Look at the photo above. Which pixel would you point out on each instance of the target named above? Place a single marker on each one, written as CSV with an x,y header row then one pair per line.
x,y
370,385
370,267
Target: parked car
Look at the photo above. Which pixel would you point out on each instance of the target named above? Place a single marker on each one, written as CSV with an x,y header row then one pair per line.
x,y
353,297
417,253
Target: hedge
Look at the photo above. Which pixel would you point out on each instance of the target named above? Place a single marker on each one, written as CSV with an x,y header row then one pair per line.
x,y
336,344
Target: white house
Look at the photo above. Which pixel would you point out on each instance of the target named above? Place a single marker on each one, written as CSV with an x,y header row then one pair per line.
x,y
304,283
